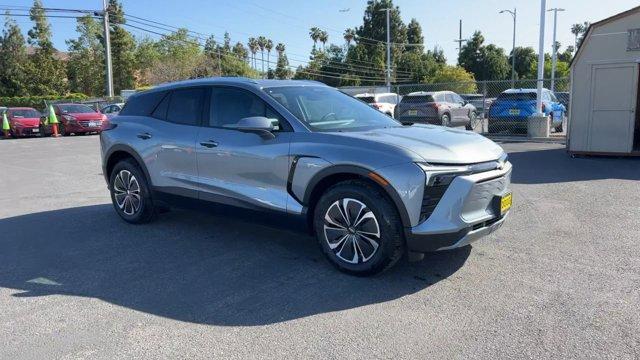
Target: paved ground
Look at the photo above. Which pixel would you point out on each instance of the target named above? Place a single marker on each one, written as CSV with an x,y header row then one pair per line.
x,y
560,280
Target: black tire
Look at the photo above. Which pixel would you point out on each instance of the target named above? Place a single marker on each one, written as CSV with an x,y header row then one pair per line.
x,y
145,211
560,128
385,219
445,120
473,119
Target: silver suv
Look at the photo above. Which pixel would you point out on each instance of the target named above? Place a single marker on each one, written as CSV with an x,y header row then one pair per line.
x,y
367,186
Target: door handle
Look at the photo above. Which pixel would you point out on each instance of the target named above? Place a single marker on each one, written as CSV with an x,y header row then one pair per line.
x,y
209,144
144,136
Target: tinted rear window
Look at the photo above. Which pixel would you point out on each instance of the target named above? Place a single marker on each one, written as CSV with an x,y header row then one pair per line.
x,y
142,104
185,106
367,99
517,96
417,99
75,109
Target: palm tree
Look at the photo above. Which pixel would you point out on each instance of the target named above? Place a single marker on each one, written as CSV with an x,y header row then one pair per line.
x,y
314,33
268,46
253,48
576,29
349,35
262,42
280,49
324,37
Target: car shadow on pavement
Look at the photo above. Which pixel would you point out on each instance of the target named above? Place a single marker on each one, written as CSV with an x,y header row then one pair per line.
x,y
557,166
194,267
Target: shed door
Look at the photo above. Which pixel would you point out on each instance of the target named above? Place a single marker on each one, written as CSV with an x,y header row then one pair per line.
x,y
613,100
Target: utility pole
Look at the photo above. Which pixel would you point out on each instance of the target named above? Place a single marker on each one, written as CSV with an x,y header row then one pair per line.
x,y
543,11
107,49
514,14
554,56
388,72
460,40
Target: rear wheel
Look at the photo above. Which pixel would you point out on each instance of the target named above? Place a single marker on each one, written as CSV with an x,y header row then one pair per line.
x,y
62,131
473,121
130,193
446,120
358,228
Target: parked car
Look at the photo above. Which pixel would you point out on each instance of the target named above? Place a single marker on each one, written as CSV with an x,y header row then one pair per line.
x,y
564,98
76,119
369,187
513,107
384,102
112,110
444,108
2,110
480,101
23,121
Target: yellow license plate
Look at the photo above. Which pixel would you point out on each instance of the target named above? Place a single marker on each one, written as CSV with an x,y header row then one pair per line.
x,y
413,112
505,203
514,111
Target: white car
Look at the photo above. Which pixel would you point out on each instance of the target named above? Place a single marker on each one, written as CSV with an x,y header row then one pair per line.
x,y
112,110
383,102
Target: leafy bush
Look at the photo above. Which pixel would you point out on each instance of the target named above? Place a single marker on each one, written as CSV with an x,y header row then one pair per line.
x,y
38,102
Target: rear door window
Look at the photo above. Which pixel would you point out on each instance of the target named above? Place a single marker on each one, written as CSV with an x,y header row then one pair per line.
x,y
185,106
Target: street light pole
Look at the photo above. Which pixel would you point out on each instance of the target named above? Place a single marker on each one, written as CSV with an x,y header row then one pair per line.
x,y
514,14
543,11
554,56
107,49
388,74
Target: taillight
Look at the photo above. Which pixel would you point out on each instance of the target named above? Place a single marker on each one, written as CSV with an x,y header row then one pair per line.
x,y
435,106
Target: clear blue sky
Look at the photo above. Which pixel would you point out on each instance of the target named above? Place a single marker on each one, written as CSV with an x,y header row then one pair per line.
x,y
288,21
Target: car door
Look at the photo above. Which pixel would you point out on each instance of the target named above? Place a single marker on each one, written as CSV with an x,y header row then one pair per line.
x,y
462,113
455,108
170,141
242,168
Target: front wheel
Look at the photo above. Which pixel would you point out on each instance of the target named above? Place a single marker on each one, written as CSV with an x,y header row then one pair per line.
x,y
473,121
130,193
358,228
446,120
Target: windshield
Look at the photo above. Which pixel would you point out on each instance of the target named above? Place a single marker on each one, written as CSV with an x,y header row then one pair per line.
x,y
367,99
25,113
75,109
327,109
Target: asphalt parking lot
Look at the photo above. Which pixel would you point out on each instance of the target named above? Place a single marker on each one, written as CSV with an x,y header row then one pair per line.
x,y
560,280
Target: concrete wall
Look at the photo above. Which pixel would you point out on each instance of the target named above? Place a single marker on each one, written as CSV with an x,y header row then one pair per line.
x,y
606,43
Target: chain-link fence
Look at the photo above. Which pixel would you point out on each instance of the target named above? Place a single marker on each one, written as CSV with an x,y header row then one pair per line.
x,y
488,107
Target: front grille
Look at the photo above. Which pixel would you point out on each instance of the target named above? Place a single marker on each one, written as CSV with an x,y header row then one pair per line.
x,y
430,199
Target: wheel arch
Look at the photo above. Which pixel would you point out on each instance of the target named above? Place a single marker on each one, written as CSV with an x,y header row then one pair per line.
x,y
332,175
120,152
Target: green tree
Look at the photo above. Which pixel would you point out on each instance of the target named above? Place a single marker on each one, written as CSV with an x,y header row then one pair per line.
x,y
180,58
123,48
268,46
567,54
240,51
13,57
262,43
457,79
146,55
314,34
45,74
579,30
323,37
486,62
525,57
414,36
85,68
282,67
349,35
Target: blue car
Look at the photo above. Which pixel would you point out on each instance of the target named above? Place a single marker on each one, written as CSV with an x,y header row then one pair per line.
x,y
513,107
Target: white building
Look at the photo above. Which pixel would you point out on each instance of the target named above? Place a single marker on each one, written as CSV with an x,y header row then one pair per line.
x,y
604,88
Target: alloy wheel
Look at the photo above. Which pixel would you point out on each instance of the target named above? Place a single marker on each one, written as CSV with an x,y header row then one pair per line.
x,y
351,230
126,191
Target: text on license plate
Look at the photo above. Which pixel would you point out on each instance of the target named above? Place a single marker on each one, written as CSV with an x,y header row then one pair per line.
x,y
413,112
35,130
505,203
93,124
514,111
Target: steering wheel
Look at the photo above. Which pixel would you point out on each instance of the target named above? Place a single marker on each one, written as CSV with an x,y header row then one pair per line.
x,y
326,116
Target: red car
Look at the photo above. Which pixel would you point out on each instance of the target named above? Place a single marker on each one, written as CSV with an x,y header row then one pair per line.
x,y
76,119
23,121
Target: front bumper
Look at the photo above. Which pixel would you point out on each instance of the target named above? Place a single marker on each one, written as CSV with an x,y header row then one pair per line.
x,y
26,130
465,213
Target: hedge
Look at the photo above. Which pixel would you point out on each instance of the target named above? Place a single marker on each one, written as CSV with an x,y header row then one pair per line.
x,y
38,102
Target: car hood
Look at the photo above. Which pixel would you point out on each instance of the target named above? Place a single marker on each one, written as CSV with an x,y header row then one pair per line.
x,y
435,144
26,121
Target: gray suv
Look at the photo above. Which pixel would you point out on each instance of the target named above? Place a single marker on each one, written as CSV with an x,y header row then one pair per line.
x,y
444,108
367,186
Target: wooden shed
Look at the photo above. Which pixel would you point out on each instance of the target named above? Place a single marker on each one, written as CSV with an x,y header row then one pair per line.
x,y
604,88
